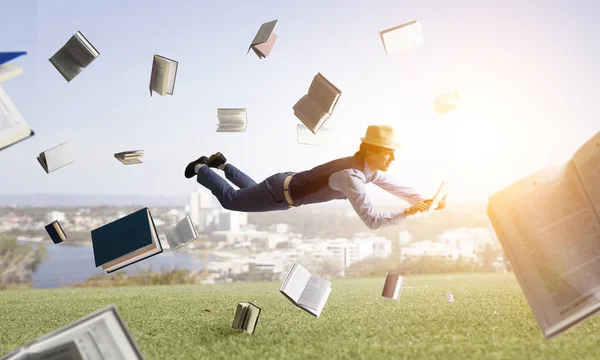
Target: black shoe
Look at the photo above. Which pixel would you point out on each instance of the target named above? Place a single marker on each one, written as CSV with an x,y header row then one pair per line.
x,y
216,160
189,170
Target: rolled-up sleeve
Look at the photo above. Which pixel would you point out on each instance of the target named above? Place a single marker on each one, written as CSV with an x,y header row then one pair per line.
x,y
408,194
354,189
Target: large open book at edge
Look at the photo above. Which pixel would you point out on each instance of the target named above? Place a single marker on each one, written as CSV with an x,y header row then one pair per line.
x,y
308,292
101,335
13,128
549,226
317,106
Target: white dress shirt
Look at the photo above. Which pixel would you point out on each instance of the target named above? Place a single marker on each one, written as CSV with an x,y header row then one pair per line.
x,y
353,182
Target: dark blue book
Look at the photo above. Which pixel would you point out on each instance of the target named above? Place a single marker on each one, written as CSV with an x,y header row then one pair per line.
x,y
8,56
56,232
126,241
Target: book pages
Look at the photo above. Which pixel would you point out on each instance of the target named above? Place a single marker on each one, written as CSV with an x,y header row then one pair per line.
x,y
13,127
439,195
160,74
587,163
295,282
310,113
181,234
551,235
101,335
313,293
263,33
324,93
231,119
9,71
264,49
446,102
401,37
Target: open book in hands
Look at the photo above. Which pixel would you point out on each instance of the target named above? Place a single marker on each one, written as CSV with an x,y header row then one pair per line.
x,y
439,195
317,106
549,227
306,291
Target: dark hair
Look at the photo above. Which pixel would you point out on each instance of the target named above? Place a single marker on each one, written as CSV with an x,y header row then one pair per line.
x,y
364,148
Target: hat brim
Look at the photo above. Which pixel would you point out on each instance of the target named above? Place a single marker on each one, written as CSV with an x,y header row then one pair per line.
x,y
394,146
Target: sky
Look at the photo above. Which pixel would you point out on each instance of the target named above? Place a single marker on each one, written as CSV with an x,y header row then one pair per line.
x,y
526,72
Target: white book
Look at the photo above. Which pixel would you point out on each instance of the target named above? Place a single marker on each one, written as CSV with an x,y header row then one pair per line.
x,y
402,37
163,75
76,55
392,286
13,128
306,137
306,291
231,119
57,157
446,102
130,157
449,298
99,336
549,227
439,195
181,234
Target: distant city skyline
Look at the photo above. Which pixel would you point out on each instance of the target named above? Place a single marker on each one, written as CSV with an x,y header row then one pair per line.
x,y
527,85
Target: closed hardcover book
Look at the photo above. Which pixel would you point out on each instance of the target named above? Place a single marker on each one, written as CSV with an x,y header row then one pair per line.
x,y
56,232
125,241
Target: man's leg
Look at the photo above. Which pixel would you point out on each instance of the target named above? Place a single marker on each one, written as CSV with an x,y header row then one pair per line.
x,y
237,177
253,198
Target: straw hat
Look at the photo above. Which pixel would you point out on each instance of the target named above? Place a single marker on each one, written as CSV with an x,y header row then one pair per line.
x,y
381,135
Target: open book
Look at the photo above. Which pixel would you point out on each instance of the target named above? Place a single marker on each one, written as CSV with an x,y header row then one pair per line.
x,y
446,102
439,195
101,335
232,120
401,37
317,106
74,56
264,40
130,157
181,234
13,128
306,291
549,226
162,75
393,286
57,157
9,71
246,317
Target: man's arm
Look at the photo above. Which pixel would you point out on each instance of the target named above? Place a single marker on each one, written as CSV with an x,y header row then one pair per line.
x,y
354,189
408,194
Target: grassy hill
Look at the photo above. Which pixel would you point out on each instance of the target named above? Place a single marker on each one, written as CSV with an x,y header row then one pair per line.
x,y
490,319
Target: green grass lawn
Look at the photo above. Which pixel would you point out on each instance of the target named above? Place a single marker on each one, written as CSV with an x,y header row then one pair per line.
x,y
490,319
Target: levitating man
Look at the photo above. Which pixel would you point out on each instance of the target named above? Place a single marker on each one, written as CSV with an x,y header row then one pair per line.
x,y
344,178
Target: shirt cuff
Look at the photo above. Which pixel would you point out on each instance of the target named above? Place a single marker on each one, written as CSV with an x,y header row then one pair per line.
x,y
398,217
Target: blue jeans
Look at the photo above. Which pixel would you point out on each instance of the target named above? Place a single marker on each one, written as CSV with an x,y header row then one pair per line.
x,y
250,197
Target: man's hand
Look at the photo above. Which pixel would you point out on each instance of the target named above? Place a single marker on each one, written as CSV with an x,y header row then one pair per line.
x,y
441,204
418,207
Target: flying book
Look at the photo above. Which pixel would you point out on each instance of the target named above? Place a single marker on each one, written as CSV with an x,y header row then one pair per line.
x,y
317,106
549,227
130,157
162,76
246,317
393,286
232,120
264,40
9,71
101,335
402,37
439,195
76,55
446,102
126,241
449,298
13,128
56,232
57,157
306,137
306,291
181,234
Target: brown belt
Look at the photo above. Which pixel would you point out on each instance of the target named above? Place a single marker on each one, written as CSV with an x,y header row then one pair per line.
x,y
286,190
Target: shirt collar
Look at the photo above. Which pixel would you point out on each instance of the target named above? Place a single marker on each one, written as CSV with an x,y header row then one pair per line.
x,y
367,171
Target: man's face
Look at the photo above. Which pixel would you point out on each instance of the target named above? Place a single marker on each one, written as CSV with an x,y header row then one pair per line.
x,y
381,160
